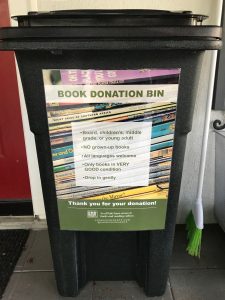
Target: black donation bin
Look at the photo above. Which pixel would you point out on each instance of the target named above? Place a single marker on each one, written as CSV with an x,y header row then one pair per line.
x,y
110,97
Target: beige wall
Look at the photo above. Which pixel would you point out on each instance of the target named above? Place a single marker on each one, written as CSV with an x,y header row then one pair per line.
x,y
191,164
200,6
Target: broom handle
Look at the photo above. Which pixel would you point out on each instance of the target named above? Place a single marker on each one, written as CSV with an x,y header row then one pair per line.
x,y
206,127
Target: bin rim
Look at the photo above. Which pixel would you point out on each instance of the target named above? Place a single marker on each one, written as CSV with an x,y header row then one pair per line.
x,y
156,32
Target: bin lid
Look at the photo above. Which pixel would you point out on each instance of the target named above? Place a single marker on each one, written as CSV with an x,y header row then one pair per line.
x,y
110,29
116,17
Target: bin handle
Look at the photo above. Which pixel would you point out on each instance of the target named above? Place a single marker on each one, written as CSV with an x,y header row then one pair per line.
x,y
217,124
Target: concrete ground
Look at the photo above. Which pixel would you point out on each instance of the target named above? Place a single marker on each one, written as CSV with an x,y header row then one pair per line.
x,y
190,278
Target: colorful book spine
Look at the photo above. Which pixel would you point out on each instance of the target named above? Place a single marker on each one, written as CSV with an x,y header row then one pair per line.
x,y
163,129
62,152
162,138
159,118
65,174
62,140
134,192
116,193
159,174
123,111
63,112
108,76
162,145
63,161
159,160
63,168
167,152
151,113
85,108
162,166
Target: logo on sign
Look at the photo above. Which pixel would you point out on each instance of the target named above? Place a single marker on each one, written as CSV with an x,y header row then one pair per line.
x,y
92,214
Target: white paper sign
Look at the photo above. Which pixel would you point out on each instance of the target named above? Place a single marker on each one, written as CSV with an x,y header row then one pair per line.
x,y
112,154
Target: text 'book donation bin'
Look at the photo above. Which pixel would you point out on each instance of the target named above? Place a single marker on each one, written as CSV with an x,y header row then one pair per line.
x,y
110,97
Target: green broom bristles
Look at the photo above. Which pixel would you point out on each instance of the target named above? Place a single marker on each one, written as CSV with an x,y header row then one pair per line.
x,y
194,236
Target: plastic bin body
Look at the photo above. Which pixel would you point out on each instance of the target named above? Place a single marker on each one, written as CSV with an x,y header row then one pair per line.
x,y
143,256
